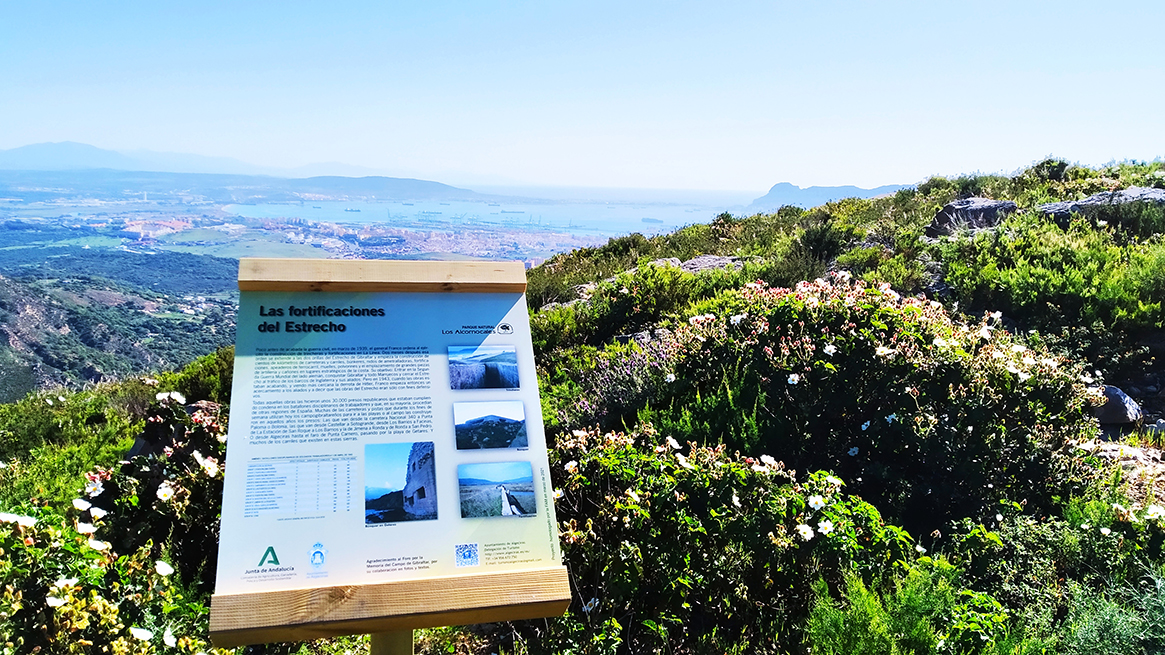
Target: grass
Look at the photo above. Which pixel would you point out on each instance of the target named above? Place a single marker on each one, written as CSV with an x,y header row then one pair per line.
x,y
485,500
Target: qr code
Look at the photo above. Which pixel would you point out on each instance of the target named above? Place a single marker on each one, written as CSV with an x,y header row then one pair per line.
x,y
467,555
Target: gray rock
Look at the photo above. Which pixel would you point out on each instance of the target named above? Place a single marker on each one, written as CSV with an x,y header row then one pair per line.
x,y
969,214
667,261
1119,409
711,263
1104,199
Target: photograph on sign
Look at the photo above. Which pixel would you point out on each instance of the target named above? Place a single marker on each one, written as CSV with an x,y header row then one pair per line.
x,y
400,482
496,489
490,424
483,367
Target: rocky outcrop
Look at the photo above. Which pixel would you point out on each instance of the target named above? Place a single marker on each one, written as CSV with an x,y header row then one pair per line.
x,y
969,214
711,263
1118,408
1105,199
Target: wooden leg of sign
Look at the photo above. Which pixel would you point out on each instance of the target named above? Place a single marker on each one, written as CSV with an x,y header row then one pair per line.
x,y
392,643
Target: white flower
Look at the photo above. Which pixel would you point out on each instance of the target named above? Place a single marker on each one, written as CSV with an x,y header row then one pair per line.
x,y
670,377
844,276
97,513
794,378
853,451
49,401
571,466
141,633
1154,512
735,499
61,398
25,521
866,426
920,549
998,517
683,461
768,460
65,582
825,527
1017,348
1049,362
1101,223
53,601
163,568
940,342
172,395
675,445
98,545
168,638
1086,379
985,333
632,495
806,531
834,481
736,319
557,494
94,488
1029,361
816,502
81,504
1105,531
883,351
830,349
6,517
208,464
165,492
997,315
1024,377
86,528
1083,526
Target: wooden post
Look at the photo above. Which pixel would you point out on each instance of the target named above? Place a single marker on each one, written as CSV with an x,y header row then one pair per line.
x,y
392,643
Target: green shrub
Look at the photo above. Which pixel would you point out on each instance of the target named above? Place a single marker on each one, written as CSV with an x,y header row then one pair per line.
x,y
930,419
688,549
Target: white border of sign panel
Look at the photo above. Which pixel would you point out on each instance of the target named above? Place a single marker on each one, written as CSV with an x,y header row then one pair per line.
x,y
386,460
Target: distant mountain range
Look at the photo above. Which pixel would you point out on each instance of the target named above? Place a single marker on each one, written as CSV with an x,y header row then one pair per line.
x,y
76,167
48,185
69,155
789,194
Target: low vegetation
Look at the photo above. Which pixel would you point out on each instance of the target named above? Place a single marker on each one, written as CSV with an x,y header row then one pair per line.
x,y
849,439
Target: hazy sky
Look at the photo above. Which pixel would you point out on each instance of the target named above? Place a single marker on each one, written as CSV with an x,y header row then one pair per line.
x,y
711,95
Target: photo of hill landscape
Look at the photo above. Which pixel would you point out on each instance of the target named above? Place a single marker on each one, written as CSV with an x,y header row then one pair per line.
x,y
498,424
848,321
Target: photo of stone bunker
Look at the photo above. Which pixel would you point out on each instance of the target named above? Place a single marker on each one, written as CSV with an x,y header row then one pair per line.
x,y
497,424
400,482
496,489
483,367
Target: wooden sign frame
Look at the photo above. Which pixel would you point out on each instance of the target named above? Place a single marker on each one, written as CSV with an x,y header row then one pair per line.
x,y
325,611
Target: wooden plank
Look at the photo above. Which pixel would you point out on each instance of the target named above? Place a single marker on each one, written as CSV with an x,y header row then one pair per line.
x,y
299,614
270,274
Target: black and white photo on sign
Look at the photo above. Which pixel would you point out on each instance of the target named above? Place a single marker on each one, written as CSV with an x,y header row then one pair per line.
x,y
496,489
483,367
490,424
400,482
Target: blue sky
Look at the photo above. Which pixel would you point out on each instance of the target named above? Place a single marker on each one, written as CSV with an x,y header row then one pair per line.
x,y
496,472
674,95
511,409
386,465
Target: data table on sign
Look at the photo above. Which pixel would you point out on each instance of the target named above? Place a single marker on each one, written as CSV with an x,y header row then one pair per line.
x,y
299,486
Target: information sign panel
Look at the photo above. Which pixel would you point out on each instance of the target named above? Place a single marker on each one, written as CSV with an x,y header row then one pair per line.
x,y
386,462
